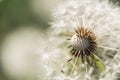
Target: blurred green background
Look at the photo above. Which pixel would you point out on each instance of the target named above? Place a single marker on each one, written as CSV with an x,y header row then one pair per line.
x,y
17,13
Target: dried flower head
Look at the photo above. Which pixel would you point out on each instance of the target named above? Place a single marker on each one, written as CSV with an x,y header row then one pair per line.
x,y
83,43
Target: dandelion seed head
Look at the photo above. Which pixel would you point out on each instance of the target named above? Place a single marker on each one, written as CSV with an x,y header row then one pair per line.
x,y
100,19
79,43
83,43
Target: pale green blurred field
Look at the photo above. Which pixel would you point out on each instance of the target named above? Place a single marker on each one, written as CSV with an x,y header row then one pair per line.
x,y
14,14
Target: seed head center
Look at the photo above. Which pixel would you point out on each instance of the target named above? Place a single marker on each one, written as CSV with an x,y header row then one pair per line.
x,y
83,43
79,43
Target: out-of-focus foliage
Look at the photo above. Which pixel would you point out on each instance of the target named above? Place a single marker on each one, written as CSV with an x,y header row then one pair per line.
x,y
13,14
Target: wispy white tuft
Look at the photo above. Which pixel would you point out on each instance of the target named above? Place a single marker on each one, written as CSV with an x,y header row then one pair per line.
x,y
100,16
